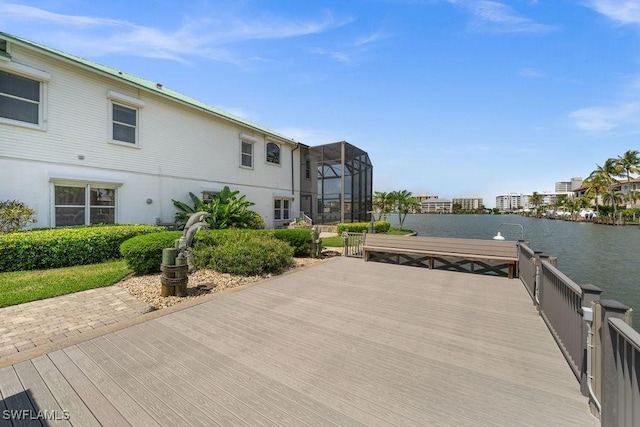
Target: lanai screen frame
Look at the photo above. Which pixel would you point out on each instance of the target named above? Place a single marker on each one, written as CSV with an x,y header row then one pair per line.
x,y
344,186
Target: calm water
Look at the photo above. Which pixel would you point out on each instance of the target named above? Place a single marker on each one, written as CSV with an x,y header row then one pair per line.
x,y
602,255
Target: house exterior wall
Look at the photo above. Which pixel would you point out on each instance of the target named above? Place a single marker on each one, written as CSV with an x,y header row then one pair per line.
x,y
181,149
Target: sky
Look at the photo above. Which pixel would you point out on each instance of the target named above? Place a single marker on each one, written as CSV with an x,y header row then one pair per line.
x,y
452,98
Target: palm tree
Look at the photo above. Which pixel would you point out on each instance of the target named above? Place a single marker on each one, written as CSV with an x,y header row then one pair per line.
x,y
596,186
536,200
404,203
604,176
627,164
382,203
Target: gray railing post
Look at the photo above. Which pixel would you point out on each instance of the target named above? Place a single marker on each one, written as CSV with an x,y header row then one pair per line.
x,y
609,397
345,236
540,279
536,279
590,293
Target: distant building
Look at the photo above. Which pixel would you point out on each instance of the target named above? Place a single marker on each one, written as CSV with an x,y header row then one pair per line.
x,y
436,205
511,202
421,198
468,204
569,186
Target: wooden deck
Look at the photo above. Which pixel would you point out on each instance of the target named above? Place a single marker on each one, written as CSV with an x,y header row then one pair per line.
x,y
341,343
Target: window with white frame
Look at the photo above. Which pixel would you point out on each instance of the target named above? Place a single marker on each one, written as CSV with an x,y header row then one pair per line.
x,y
20,99
125,124
124,118
84,204
273,153
281,210
246,154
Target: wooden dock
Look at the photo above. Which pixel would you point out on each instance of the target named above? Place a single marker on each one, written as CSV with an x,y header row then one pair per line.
x,y
341,343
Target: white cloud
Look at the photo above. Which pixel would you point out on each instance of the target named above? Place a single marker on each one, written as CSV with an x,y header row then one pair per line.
x,y
204,36
605,119
531,73
351,52
622,11
498,17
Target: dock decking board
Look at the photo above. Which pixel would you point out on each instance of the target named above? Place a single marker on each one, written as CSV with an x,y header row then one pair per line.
x,y
340,343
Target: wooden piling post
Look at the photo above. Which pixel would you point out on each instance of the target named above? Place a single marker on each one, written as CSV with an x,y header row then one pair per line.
x,y
181,289
168,258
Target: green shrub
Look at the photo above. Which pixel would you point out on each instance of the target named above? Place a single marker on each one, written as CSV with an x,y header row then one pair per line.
x,y
246,253
65,247
144,253
15,215
299,239
359,227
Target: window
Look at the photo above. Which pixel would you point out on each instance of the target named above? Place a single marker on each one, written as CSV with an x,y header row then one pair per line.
x,y
273,153
73,207
246,154
124,124
124,118
281,209
20,99
307,169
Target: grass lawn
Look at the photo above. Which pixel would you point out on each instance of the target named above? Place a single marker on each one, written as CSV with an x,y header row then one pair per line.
x,y
338,242
18,287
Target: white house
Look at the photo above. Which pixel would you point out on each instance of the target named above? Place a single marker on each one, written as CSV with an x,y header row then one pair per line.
x,y
84,143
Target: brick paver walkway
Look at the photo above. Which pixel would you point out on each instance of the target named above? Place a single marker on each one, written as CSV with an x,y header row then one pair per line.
x,y
33,324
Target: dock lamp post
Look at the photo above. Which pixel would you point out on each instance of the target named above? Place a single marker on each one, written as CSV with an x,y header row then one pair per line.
x,y
501,237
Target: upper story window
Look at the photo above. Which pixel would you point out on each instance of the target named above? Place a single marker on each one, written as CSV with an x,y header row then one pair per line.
x,y
247,150
307,169
273,153
125,124
20,99
247,154
125,112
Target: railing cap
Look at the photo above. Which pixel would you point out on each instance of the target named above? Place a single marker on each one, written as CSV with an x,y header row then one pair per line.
x,y
613,305
591,288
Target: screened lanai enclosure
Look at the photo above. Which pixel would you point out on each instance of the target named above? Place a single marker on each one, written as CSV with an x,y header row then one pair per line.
x,y
336,183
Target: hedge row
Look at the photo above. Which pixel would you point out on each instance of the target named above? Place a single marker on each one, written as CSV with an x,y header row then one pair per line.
x,y
242,252
65,247
359,227
144,253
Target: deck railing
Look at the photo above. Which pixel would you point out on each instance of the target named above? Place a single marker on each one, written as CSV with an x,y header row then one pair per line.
x,y
594,335
527,269
353,244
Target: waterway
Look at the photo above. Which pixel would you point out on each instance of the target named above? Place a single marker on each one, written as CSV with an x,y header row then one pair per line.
x,y
603,255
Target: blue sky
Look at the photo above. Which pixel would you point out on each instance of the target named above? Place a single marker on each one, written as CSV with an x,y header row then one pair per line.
x,y
455,98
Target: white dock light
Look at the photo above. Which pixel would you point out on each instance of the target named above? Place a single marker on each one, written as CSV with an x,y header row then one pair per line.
x,y
499,236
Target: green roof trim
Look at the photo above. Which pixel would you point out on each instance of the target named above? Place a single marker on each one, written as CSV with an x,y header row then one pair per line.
x,y
148,85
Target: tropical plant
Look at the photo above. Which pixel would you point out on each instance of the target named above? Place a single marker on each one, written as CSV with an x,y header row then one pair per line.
x,y
627,164
536,200
614,198
382,203
403,203
605,176
15,215
226,209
